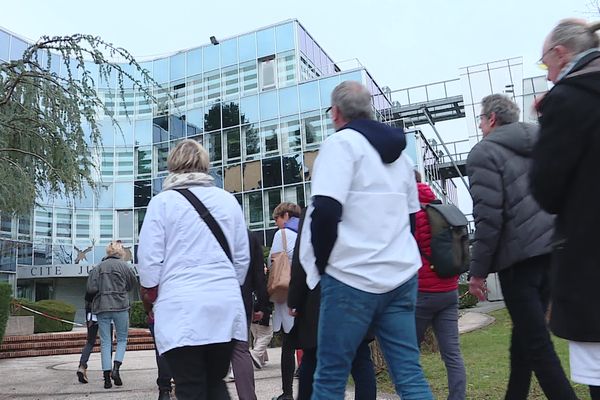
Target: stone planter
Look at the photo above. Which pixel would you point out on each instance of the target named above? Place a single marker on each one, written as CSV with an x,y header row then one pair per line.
x,y
19,325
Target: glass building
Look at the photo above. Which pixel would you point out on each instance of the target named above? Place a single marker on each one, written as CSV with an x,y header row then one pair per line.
x,y
256,101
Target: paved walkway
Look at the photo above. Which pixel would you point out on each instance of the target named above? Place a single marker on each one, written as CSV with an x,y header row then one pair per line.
x,y
53,377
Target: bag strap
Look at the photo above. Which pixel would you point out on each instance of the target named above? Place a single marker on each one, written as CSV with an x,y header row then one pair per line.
x,y
284,240
210,221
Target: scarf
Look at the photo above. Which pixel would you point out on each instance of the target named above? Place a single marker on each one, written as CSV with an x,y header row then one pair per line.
x,y
187,179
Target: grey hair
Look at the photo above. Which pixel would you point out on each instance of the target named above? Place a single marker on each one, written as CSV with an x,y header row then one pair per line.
x,y
576,35
505,109
353,100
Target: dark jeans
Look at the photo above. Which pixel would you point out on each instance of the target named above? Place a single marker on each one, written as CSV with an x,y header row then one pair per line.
x,y
164,372
198,371
440,310
595,392
288,364
526,291
92,333
363,373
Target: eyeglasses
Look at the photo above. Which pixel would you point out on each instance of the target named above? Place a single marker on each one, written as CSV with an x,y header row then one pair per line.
x,y
479,117
541,62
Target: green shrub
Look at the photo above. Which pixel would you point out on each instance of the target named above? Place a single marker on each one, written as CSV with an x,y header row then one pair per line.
x,y
5,295
55,308
466,300
137,315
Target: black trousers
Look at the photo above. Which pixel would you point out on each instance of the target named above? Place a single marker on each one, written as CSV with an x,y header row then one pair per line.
x,y
288,364
198,371
526,291
164,372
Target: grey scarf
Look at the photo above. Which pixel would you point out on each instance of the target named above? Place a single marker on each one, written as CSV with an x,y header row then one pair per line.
x,y
187,179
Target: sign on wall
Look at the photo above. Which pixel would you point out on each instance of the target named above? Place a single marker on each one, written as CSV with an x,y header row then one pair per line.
x,y
56,271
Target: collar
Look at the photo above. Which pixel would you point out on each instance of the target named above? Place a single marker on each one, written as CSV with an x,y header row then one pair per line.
x,y
569,67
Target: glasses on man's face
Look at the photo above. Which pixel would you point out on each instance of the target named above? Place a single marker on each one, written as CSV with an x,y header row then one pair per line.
x,y
541,62
480,117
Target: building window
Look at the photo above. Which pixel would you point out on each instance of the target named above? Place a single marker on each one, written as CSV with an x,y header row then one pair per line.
x,y
248,78
253,210
83,224
271,168
43,223
105,225
268,133
63,224
125,224
266,68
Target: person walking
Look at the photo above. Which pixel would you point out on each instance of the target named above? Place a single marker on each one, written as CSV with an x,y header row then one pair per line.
x,y
564,176
193,257
437,302
109,284
513,237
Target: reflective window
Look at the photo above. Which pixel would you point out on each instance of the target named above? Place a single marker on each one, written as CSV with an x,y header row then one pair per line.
x,y
230,114
268,133
266,73
5,224
271,168
160,68
294,194
253,210
8,255
176,127
142,193
272,200
160,129
161,107
217,174
286,69
284,36
309,161
215,147
251,142
265,42
83,224
17,48
25,254
232,148
247,47
161,152
229,52
268,105
61,254
249,110
42,254
143,104
231,82
87,198
157,184
143,131
82,252
309,96
4,46
105,195
233,178
288,101
125,105
177,66
290,135
43,223
211,57
212,117
311,128
194,62
195,91
139,220
107,165
124,163
249,78
24,230
105,224
195,121
328,128
107,131
292,169
143,161
178,92
124,224
212,85
63,224
251,172
326,87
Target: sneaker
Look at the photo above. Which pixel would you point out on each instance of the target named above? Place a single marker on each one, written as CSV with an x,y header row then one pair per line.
x,y
82,374
255,361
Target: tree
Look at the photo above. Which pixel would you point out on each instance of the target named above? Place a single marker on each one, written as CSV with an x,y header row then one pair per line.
x,y
48,119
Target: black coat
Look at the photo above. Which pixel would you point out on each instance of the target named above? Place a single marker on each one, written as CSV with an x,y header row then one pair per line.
x,y
565,179
255,280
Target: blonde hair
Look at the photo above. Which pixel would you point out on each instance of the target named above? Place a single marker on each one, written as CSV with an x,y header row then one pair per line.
x,y
292,209
115,249
188,156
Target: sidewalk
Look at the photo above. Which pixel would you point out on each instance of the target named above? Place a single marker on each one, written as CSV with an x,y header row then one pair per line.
x,y
53,377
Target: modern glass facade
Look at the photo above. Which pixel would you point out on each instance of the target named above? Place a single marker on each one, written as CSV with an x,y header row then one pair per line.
x,y
256,102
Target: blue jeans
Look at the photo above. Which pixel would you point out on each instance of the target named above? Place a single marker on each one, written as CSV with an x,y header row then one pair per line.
x,y
121,321
345,316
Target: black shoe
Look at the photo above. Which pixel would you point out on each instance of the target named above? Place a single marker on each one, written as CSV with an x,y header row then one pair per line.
x,y
107,382
115,374
283,397
255,361
164,395
82,374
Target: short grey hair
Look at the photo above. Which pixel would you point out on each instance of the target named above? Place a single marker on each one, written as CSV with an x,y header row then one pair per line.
x,y
505,109
575,34
353,100
188,156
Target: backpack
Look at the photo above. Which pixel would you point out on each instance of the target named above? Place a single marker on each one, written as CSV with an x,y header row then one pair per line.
x,y
449,240
280,274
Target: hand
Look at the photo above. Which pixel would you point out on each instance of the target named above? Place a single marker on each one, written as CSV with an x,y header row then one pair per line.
x,y
477,288
257,316
292,312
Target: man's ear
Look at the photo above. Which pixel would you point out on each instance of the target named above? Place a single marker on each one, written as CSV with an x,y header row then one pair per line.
x,y
492,119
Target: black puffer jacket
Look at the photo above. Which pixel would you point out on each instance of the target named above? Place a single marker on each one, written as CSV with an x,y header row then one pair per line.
x,y
510,226
565,179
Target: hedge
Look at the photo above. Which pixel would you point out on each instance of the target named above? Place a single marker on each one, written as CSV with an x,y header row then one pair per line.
x,y
55,308
137,315
5,295
466,300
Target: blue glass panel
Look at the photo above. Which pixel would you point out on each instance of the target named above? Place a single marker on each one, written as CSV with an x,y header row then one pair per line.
x,y
309,96
288,101
194,62
143,131
352,76
326,87
108,133
17,47
268,105
249,110
284,35
195,121
124,195
211,57
230,114
265,42
217,174
124,137
247,47
87,198
229,52
4,45
105,195
212,117
161,70
176,127
177,66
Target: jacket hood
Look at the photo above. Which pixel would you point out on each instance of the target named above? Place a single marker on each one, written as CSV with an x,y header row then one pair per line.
x,y
292,224
426,195
389,142
518,137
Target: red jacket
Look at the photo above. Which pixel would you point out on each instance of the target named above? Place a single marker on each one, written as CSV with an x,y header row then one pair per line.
x,y
429,281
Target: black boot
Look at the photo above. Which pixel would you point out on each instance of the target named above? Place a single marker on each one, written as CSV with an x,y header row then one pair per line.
x,y
115,373
107,382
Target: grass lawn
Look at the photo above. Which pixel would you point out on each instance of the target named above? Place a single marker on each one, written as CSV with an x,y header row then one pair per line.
x,y
486,359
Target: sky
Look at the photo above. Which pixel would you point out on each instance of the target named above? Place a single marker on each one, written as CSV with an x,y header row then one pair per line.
x,y
402,43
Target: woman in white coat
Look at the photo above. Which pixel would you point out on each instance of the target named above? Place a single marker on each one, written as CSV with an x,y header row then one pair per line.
x,y
286,216
190,281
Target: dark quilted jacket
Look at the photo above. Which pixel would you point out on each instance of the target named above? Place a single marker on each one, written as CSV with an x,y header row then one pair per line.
x,y
510,226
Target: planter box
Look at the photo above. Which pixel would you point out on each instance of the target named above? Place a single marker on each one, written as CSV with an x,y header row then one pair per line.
x,y
19,326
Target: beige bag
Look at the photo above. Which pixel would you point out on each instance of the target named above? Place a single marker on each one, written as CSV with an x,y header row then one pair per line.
x,y
280,274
